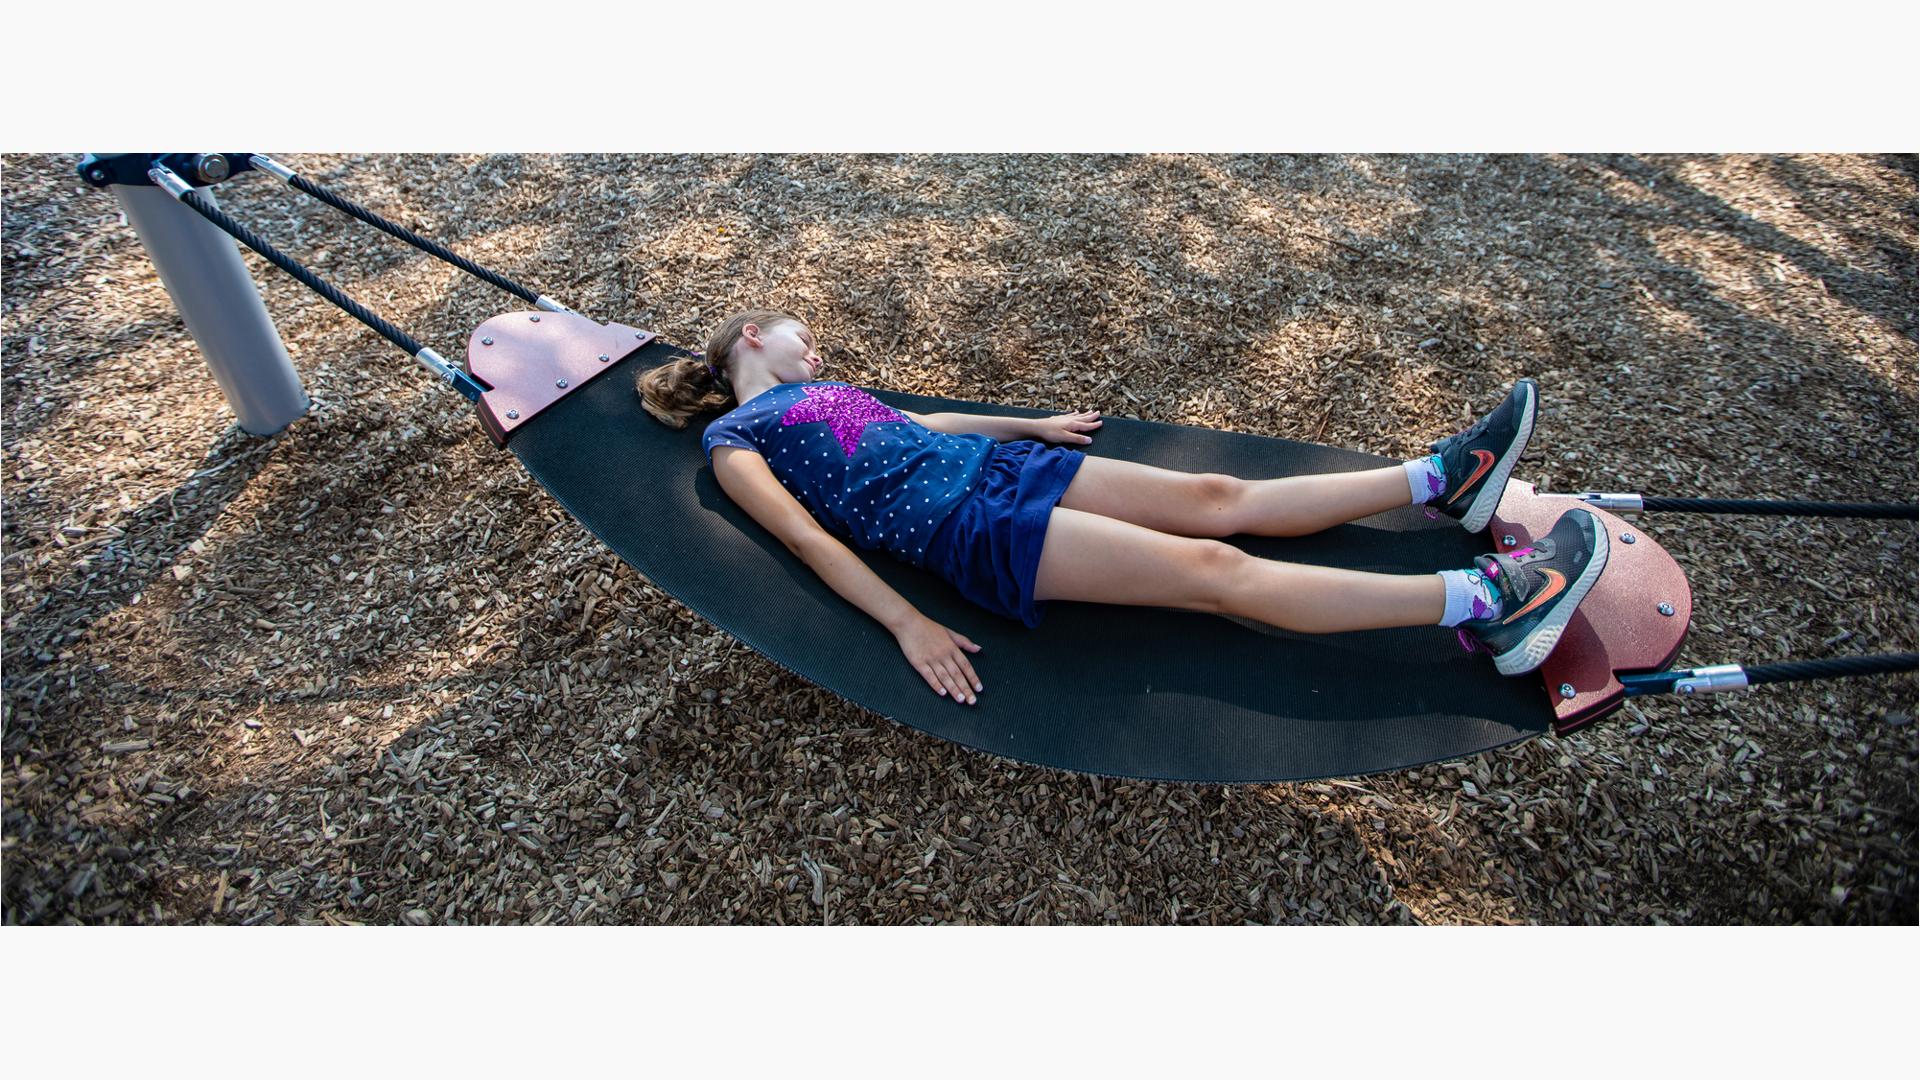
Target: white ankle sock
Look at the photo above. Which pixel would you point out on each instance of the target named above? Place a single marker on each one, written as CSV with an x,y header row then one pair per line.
x,y
1426,479
1469,596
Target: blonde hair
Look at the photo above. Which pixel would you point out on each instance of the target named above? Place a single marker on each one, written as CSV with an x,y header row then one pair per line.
x,y
680,389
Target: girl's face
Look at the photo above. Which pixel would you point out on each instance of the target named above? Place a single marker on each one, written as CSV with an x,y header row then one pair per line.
x,y
784,350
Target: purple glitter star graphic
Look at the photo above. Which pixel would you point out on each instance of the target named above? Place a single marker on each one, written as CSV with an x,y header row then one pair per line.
x,y
847,409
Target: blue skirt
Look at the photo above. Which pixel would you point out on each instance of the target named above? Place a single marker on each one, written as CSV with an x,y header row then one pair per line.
x,y
989,546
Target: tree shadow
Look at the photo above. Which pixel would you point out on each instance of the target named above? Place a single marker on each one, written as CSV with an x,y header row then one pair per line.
x,y
1879,294
146,542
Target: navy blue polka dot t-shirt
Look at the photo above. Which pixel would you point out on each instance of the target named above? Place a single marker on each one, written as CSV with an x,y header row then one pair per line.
x,y
863,470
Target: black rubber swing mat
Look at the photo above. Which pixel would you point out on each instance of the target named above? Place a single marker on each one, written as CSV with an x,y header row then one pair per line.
x,y
1151,693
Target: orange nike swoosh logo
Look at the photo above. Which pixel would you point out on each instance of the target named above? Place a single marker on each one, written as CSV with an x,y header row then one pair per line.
x,y
1556,584
1486,462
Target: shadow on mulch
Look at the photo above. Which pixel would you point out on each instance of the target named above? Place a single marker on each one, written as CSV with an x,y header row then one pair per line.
x,y
148,540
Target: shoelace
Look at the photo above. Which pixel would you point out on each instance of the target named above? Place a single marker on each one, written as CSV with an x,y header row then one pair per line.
x,y
1478,428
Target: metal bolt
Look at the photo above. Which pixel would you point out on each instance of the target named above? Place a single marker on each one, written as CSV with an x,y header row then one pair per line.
x,y
1666,608
486,341
99,176
561,383
513,414
1628,538
637,335
1507,539
533,318
1686,689
1566,690
604,358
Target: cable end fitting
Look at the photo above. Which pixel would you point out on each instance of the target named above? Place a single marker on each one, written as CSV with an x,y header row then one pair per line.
x,y
1710,680
169,181
1605,500
267,165
468,386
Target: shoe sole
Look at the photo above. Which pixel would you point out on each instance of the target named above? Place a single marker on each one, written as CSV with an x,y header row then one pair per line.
x,y
1495,488
1535,647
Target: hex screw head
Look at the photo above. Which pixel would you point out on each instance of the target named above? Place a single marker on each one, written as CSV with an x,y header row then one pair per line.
x,y
1628,538
638,335
1566,690
99,176
533,318
513,414
1666,608
560,383
604,358
1507,539
486,341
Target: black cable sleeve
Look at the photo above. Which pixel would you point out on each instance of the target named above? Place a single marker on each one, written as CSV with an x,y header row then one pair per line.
x,y
1839,667
1908,511
306,277
400,232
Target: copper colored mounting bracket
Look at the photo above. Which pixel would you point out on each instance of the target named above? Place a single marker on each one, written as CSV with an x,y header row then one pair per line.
x,y
1634,619
532,359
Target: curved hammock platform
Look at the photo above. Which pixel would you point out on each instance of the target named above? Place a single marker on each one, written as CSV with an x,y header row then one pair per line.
x,y
1148,693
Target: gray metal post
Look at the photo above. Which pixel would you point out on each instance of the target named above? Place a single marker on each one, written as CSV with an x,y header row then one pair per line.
x,y
210,286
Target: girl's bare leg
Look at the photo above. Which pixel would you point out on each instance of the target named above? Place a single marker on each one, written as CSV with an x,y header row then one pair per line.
x,y
1298,505
1214,504
1105,560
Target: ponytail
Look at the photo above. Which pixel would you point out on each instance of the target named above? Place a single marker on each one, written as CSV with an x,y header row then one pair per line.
x,y
680,389
683,388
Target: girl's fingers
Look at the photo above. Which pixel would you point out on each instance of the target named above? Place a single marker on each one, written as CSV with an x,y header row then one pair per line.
x,y
966,670
966,666
960,687
965,681
955,683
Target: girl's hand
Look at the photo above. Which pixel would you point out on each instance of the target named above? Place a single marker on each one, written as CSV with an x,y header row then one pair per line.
x,y
1067,427
936,653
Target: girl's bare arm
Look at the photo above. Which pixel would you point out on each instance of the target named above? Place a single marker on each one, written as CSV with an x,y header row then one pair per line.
x,y
747,479
937,653
1002,428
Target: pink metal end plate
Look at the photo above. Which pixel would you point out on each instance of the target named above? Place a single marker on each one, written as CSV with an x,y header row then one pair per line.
x,y
534,358
1621,626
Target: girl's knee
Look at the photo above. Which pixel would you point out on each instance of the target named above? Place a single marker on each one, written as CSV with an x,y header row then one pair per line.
x,y
1218,570
1220,500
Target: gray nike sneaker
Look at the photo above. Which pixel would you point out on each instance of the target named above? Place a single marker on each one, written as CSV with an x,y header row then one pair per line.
x,y
1479,460
1540,586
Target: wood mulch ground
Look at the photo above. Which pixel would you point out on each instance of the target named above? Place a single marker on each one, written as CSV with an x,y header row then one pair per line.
x,y
368,671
